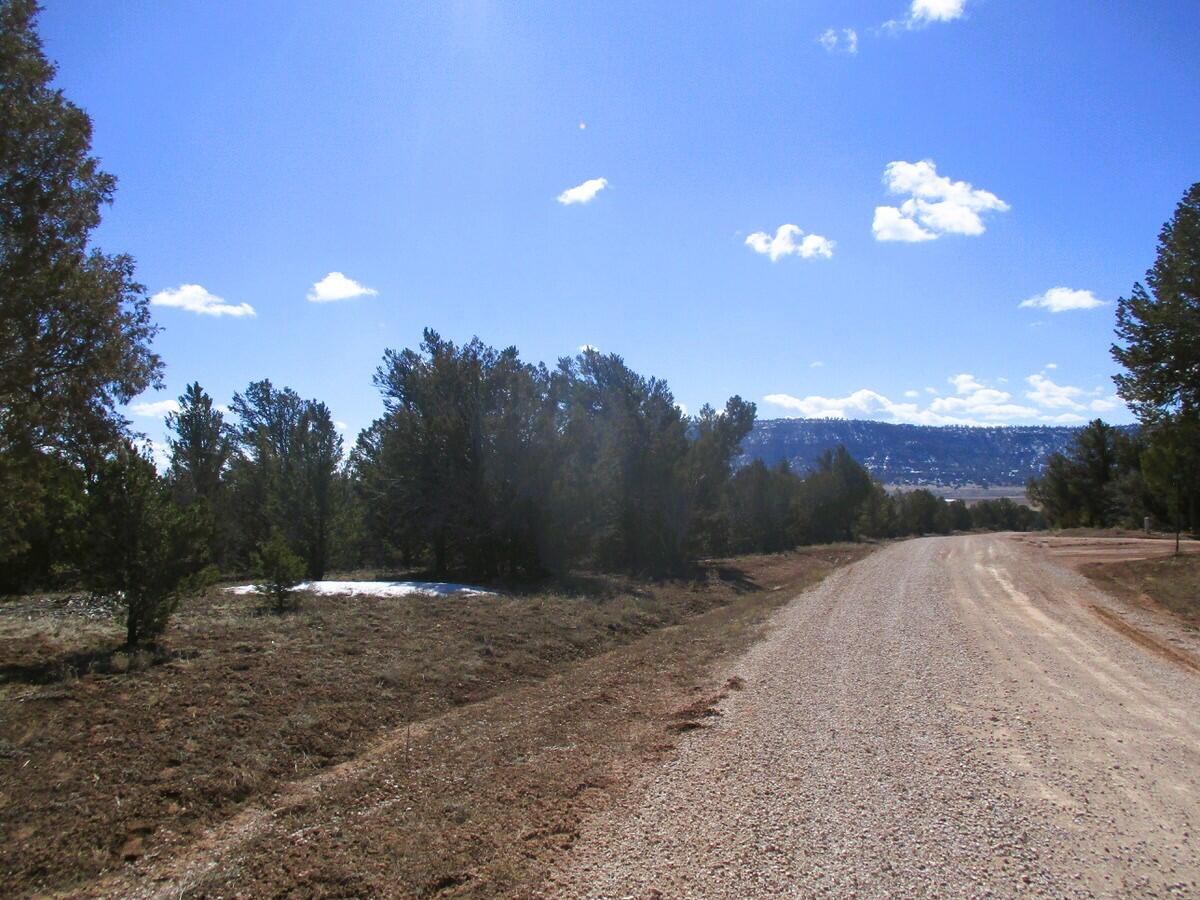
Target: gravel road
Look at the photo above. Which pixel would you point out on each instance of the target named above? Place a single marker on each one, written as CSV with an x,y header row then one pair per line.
x,y
949,717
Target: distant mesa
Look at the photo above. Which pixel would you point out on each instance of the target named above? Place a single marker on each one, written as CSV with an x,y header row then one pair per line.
x,y
377,588
948,456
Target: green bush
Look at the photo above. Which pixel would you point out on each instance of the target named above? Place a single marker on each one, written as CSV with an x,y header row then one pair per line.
x,y
279,571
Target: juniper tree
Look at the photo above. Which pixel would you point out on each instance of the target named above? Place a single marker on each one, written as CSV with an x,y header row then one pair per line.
x,y
139,543
75,327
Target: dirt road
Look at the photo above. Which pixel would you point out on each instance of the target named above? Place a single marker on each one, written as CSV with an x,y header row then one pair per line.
x,y
948,717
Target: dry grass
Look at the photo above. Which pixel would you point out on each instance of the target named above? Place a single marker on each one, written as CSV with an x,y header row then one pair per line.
x,y
1169,582
112,765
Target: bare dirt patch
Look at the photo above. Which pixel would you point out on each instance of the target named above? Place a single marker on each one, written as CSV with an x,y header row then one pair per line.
x,y
1155,595
1078,547
1146,640
1169,583
531,708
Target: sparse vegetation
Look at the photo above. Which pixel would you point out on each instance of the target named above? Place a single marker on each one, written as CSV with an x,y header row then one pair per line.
x,y
241,703
1171,582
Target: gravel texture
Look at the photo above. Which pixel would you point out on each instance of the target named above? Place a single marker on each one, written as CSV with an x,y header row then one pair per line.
x,y
948,717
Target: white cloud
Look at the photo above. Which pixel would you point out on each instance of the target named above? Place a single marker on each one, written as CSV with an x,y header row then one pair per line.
x,y
336,286
1106,404
925,12
1051,365
1046,393
964,383
816,364
583,193
862,402
972,403
340,426
785,243
870,404
154,409
935,205
195,298
845,42
584,348
682,408
936,10
985,404
891,225
1061,299
975,401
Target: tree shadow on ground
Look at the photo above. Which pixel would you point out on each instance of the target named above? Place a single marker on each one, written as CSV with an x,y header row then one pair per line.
x,y
101,661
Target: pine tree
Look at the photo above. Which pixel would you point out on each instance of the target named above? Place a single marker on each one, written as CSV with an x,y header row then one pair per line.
x,y
318,449
283,480
1159,345
200,444
1159,328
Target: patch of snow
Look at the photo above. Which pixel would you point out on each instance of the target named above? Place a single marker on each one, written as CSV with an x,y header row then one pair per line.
x,y
377,588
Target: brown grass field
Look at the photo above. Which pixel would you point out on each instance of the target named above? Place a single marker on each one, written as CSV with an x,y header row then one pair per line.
x,y
467,735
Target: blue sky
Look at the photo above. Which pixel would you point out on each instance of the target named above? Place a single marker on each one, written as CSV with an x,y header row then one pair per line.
x,y
949,162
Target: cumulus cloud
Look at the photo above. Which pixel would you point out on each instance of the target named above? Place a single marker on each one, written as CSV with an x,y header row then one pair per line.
x,y
585,348
964,383
1062,299
336,286
195,298
790,240
926,12
340,426
1106,404
834,41
583,193
936,10
868,404
1047,393
154,409
860,403
936,205
972,402
891,225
